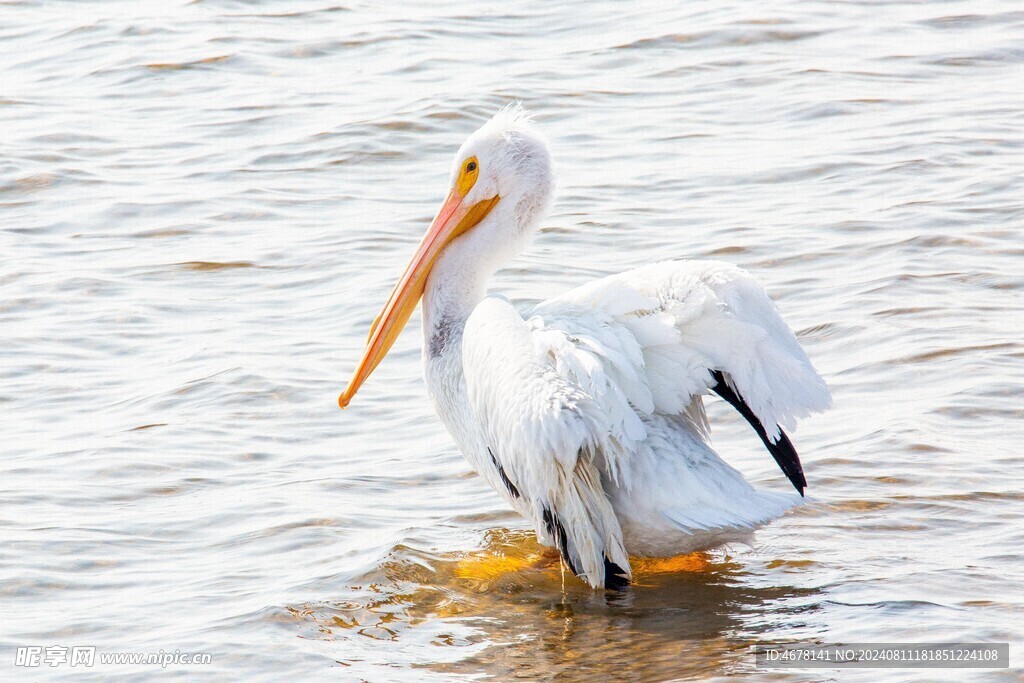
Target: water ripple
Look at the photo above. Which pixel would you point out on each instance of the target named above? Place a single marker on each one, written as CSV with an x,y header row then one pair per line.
x,y
204,204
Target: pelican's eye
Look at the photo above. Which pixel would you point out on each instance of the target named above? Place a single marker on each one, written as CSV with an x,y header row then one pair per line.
x,y
467,176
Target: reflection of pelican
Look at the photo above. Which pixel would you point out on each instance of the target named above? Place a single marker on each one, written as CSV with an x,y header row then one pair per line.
x,y
587,415
530,624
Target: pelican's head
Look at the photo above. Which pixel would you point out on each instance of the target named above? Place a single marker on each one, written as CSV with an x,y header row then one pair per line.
x,y
501,185
505,159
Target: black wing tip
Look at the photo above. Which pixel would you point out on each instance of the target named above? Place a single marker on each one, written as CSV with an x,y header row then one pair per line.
x,y
789,461
614,576
557,531
782,449
512,490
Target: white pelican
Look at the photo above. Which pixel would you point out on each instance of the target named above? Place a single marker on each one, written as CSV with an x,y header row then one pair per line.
x,y
586,412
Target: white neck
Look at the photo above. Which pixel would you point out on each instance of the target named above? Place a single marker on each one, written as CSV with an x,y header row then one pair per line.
x,y
458,280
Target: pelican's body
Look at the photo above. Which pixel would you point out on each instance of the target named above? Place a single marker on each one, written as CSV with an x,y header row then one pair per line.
x,y
586,411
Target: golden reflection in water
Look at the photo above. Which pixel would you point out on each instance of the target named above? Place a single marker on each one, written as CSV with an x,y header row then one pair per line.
x,y
508,552
189,271
684,615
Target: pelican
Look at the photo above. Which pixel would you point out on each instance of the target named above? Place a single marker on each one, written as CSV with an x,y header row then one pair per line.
x,y
586,412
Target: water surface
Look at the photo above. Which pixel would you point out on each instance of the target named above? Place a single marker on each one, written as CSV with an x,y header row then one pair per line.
x,y
203,204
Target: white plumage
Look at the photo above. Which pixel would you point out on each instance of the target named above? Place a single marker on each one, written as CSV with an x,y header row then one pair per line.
x,y
586,412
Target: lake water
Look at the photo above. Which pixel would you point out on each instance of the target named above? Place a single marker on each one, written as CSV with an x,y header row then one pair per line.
x,y
204,204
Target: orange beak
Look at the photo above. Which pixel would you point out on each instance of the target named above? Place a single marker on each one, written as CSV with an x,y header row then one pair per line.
x,y
454,219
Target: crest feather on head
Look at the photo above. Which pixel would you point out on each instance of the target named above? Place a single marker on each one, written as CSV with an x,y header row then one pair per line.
x,y
511,119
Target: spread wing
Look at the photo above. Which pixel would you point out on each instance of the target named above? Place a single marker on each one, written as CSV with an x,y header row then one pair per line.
x,y
709,325
561,395
695,317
